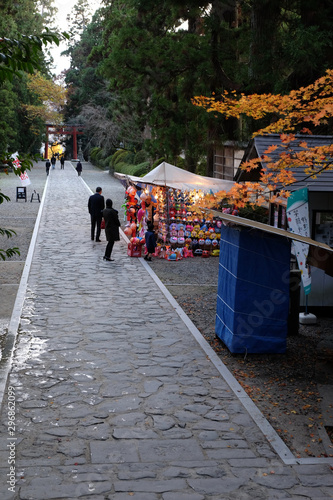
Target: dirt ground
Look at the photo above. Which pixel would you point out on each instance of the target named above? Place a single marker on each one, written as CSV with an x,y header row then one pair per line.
x,y
292,390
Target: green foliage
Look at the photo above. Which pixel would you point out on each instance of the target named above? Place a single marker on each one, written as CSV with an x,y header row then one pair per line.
x,y
140,157
139,61
79,18
30,130
141,169
24,54
22,40
8,117
10,252
259,214
103,162
87,86
9,233
96,155
154,70
93,154
201,167
157,162
25,163
256,213
108,161
129,157
130,169
118,157
180,162
99,155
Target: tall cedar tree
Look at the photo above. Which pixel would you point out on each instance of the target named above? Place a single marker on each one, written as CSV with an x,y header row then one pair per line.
x,y
19,132
154,64
21,42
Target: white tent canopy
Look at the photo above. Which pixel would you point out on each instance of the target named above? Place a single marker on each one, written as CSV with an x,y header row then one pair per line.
x,y
170,176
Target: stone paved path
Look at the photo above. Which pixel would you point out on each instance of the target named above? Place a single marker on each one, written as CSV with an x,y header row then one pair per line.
x,y
115,399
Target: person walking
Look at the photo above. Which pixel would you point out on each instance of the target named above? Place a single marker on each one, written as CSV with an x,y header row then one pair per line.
x,y
112,225
53,161
47,166
95,206
150,238
62,162
79,168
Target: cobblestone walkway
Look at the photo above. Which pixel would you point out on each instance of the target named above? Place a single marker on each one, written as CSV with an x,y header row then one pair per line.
x,y
115,399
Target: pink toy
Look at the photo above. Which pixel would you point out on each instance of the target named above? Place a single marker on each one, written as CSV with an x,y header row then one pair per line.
x,y
141,213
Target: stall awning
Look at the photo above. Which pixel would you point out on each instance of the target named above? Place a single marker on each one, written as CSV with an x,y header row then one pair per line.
x,y
171,176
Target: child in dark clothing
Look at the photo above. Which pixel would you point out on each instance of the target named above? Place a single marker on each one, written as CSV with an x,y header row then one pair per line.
x,y
150,238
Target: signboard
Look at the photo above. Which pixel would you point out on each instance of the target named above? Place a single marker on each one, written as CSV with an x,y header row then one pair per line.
x,y
298,222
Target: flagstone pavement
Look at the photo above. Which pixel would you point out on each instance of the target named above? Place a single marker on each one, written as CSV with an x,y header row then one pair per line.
x,y
115,395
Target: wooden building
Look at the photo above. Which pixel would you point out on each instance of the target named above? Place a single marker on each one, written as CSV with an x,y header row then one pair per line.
x,y
320,194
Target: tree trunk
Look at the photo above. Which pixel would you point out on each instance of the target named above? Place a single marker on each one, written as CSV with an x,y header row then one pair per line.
x,y
227,12
264,25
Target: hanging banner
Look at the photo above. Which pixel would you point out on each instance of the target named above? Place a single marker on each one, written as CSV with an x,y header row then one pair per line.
x,y
25,181
298,222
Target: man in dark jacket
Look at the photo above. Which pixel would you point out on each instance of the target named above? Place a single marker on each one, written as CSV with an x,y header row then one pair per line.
x,y
47,166
79,168
95,206
112,225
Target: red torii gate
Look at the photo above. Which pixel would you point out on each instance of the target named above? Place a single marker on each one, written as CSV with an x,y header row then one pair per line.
x,y
73,130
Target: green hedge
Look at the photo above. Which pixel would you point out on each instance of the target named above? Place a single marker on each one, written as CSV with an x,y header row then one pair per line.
x,y
118,157
157,162
93,154
130,169
108,161
140,157
142,169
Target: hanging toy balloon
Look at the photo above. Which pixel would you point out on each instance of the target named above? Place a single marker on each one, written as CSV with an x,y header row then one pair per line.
x,y
128,231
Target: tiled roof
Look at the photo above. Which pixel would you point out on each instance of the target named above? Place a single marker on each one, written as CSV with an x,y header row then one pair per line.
x,y
258,146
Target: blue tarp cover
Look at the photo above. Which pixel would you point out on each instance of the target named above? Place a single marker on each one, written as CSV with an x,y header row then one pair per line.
x,y
253,291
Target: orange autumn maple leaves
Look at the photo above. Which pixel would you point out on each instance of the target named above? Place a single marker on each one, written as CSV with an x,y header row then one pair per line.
x,y
289,114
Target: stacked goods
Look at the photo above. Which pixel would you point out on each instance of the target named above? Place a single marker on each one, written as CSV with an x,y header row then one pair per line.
x,y
180,232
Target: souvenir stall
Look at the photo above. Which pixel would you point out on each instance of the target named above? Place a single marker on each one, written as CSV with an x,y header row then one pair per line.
x,y
166,196
255,287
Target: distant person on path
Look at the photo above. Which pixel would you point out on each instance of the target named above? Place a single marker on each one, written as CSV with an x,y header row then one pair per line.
x,y
79,168
53,161
47,166
112,225
95,206
62,163
150,238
